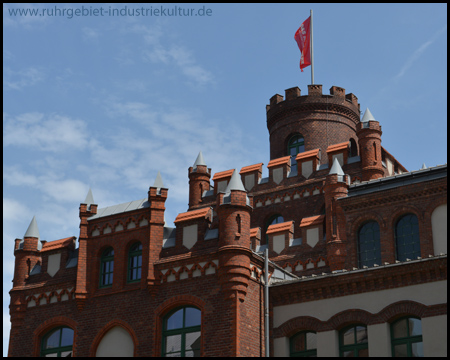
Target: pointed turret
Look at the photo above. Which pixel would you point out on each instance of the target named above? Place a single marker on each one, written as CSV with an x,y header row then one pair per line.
x,y
158,182
336,168
199,176
368,116
369,133
199,161
89,199
33,230
235,183
336,186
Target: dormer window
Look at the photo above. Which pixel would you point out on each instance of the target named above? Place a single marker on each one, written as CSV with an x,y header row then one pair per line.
x,y
296,145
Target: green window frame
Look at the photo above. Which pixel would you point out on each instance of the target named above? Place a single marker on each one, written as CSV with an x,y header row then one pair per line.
x,y
369,248
303,344
274,219
107,268
296,145
182,333
407,240
135,263
406,337
353,341
57,342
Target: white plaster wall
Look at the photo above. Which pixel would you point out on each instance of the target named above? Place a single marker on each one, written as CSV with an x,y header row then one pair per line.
x,y
278,243
328,344
434,335
54,262
307,168
277,175
117,342
222,186
439,229
339,157
281,347
312,236
390,167
379,340
249,181
190,235
373,302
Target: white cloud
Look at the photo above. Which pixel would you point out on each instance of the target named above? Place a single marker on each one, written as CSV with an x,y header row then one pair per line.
x,y
17,80
14,210
40,132
418,53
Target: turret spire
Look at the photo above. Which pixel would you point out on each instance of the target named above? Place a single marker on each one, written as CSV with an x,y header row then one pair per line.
x,y
32,230
368,116
158,181
199,161
336,168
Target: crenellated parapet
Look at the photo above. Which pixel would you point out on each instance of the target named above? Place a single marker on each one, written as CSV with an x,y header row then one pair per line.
x,y
321,119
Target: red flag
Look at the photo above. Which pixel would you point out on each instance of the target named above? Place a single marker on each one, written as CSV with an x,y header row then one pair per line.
x,y
303,38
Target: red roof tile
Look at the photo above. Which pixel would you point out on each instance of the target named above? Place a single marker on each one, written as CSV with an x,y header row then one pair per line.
x,y
58,244
307,154
255,232
336,147
194,214
288,225
312,220
249,168
223,174
280,161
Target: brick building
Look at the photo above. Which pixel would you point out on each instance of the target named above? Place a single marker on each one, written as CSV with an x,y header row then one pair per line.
x,y
356,245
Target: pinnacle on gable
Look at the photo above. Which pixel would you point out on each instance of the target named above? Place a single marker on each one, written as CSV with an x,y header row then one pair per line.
x,y
368,116
336,168
89,198
199,160
32,230
423,166
158,181
235,183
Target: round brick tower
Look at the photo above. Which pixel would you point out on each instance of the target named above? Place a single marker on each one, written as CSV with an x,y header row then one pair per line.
x,y
322,120
233,210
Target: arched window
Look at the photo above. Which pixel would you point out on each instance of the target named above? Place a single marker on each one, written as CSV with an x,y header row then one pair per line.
x,y
296,145
275,219
406,337
182,333
107,268
369,251
407,242
352,148
135,262
353,341
303,344
57,343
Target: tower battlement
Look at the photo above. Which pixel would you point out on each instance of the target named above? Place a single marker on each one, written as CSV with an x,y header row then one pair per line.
x,y
319,118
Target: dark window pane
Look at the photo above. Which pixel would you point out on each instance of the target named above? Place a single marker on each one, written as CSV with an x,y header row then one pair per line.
x,y
175,321
348,354
311,340
193,340
361,334
173,343
67,337
193,317
53,339
349,336
415,327
400,350
417,349
299,343
363,353
399,329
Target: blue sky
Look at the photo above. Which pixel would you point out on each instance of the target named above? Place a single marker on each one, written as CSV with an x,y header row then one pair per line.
x,y
107,101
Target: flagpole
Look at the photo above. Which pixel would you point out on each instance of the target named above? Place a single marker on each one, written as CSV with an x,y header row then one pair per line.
x,y
312,50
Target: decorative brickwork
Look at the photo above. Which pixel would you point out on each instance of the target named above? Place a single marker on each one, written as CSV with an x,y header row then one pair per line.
x,y
308,217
